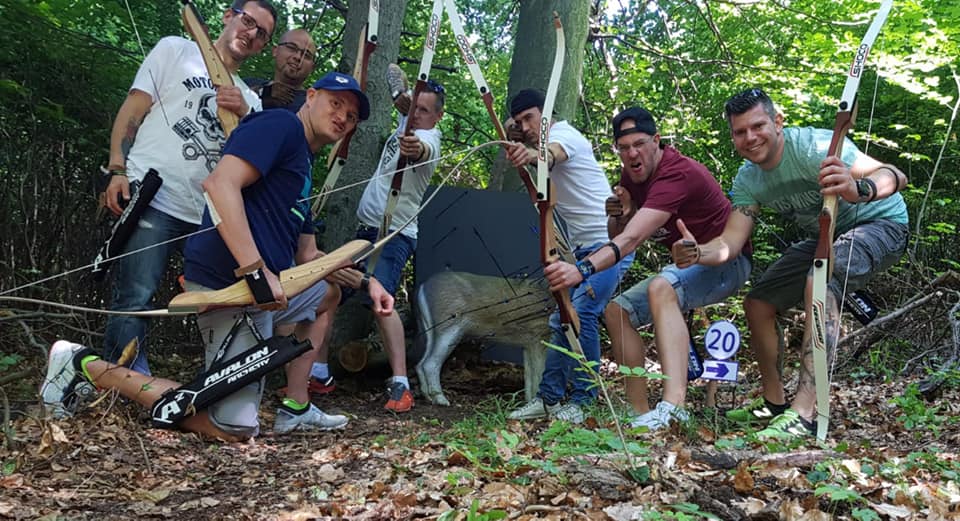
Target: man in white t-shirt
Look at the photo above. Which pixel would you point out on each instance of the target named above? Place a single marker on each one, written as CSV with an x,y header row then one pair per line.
x,y
582,190
421,148
168,122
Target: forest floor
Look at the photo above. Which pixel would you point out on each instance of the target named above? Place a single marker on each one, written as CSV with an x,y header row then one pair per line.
x,y
890,455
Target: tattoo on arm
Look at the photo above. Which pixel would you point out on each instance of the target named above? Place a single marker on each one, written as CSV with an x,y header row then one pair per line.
x,y
131,135
749,211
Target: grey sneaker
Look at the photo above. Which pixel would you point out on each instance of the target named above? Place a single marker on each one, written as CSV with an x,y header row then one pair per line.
x,y
660,417
396,80
64,386
531,410
568,412
312,420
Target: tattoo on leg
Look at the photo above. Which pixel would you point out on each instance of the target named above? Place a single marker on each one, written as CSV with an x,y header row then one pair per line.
x,y
807,377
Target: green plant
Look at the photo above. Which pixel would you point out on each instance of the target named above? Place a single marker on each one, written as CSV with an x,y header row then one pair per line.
x,y
679,512
916,414
473,514
8,361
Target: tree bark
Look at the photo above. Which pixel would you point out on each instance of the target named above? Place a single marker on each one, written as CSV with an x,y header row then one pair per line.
x,y
340,211
533,61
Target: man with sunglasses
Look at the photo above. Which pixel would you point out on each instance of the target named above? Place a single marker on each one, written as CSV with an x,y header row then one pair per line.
x,y
581,188
294,59
168,122
787,169
661,193
421,149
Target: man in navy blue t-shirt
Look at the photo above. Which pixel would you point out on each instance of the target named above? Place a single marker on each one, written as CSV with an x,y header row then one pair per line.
x,y
256,200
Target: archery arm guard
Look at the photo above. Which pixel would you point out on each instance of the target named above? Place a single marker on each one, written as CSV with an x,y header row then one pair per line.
x,y
223,378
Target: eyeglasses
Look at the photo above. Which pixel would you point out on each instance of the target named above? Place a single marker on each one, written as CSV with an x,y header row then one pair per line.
x,y
250,22
305,54
625,148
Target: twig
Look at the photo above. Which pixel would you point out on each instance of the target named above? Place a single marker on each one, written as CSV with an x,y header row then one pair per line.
x,y
887,318
8,438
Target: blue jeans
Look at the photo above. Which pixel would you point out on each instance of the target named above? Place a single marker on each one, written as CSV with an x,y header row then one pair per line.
x,y
393,257
589,299
135,280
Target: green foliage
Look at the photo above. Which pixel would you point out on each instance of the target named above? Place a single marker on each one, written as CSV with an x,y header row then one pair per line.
x,y
8,361
679,512
473,514
916,414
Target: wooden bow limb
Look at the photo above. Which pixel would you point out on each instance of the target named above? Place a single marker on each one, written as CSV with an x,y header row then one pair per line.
x,y
463,43
823,257
219,75
293,281
341,149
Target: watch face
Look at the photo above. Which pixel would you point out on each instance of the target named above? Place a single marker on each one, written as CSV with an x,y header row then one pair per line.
x,y
862,189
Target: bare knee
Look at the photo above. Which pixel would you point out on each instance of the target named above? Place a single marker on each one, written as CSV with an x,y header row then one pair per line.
x,y
661,290
758,311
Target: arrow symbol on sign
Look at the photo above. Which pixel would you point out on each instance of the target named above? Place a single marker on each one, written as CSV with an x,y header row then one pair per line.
x,y
720,370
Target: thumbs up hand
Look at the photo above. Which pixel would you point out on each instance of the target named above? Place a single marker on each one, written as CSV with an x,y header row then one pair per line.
x,y
686,252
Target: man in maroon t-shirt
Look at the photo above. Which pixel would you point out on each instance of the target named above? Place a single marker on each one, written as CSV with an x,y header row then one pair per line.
x,y
661,195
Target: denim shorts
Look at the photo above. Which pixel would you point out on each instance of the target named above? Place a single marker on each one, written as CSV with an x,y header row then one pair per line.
x,y
236,414
696,286
861,252
392,258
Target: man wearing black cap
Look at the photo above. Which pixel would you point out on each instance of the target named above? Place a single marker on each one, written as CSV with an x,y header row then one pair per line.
x,y
581,189
661,193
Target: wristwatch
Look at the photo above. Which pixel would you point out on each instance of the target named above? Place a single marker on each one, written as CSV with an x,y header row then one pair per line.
x,y
866,190
586,268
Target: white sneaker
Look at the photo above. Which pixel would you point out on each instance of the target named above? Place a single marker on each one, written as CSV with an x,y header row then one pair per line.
x,y
532,410
63,388
660,417
312,420
568,412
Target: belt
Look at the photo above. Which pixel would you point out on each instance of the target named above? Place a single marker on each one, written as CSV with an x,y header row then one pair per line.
x,y
367,228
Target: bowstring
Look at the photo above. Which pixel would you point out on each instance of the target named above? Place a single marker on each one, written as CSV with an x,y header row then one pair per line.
x,y
853,236
468,151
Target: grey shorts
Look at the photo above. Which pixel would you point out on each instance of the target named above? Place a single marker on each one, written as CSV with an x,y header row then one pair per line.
x,y
861,252
696,286
237,414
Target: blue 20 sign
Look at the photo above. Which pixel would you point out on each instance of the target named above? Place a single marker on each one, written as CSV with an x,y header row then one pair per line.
x,y
722,339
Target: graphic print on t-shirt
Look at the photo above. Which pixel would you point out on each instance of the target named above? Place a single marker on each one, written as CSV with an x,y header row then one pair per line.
x,y
203,136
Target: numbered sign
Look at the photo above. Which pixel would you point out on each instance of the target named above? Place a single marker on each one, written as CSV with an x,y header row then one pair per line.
x,y
722,340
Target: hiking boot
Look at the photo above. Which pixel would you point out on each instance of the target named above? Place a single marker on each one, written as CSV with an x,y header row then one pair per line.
x,y
321,385
660,417
788,425
531,410
401,399
568,412
64,385
758,410
313,419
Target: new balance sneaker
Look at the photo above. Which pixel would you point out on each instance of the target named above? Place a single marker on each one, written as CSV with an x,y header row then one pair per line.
x,y
787,426
568,412
64,386
759,410
401,399
321,385
660,417
313,419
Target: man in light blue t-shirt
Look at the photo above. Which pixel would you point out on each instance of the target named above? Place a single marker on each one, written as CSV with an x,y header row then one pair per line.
x,y
787,169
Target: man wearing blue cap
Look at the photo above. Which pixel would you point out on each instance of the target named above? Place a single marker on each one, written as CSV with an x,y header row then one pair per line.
x,y
256,200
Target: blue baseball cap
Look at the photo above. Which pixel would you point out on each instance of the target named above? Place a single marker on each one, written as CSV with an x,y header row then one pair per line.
x,y
339,81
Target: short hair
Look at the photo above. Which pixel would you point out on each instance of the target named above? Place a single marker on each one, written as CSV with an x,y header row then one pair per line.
x,y
746,100
238,4
439,91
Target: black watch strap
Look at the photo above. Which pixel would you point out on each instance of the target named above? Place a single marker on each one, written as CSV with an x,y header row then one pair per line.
x,y
257,282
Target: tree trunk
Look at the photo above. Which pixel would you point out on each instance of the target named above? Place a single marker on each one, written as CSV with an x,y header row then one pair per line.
x,y
340,217
533,61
